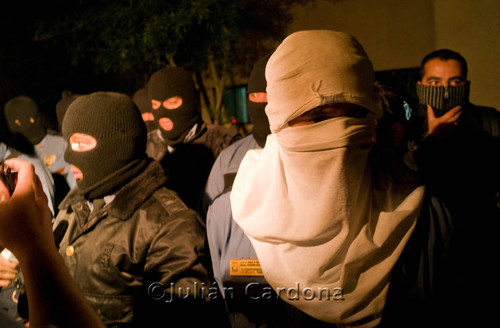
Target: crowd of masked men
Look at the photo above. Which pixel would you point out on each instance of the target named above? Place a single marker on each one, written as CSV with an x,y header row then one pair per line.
x,y
343,186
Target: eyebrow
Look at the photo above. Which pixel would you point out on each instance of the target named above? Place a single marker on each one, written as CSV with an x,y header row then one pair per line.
x,y
440,78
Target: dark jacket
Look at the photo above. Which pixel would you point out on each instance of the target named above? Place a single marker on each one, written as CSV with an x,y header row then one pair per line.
x,y
448,259
189,165
127,255
214,137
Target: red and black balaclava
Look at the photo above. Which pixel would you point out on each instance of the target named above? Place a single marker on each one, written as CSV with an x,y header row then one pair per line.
x,y
120,154
256,110
173,83
23,117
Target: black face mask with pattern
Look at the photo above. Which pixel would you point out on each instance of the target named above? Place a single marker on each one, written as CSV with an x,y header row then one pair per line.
x,y
442,98
175,82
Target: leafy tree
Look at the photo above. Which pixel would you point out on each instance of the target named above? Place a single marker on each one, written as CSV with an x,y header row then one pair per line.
x,y
218,40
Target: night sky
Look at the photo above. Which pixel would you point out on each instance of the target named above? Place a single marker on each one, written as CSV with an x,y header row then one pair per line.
x,y
38,70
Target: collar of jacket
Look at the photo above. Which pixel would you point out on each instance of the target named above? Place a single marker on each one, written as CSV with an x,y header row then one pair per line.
x,y
130,197
200,130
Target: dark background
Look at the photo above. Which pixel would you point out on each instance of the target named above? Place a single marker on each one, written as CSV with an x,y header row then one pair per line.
x,y
44,71
40,71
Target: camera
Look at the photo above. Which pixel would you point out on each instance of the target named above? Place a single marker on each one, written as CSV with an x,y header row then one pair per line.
x,y
6,177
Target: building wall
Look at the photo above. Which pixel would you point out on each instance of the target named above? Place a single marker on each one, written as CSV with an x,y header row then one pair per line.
x,y
397,34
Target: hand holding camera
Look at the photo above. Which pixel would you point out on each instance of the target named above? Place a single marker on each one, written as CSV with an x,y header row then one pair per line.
x,y
6,176
25,218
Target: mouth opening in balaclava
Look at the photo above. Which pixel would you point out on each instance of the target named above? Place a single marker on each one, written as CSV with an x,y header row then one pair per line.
x,y
175,123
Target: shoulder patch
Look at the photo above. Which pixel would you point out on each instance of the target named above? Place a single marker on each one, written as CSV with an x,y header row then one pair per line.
x,y
170,200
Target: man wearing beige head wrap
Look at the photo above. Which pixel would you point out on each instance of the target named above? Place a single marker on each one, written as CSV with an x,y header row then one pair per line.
x,y
326,237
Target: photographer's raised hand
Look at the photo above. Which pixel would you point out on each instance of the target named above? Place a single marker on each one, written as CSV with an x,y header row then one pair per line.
x,y
25,219
26,230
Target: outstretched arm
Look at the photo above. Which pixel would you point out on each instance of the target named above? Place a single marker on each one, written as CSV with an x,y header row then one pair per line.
x,y
26,230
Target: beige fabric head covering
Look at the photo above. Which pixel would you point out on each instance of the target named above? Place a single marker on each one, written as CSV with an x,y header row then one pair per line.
x,y
307,201
300,78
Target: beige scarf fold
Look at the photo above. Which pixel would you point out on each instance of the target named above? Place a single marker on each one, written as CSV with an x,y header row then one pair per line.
x,y
326,239
317,225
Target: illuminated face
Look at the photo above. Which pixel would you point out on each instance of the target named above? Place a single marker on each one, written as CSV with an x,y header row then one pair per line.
x,y
80,142
443,73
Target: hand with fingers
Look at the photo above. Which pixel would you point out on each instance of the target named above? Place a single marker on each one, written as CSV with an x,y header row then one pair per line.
x,y
25,219
8,271
443,126
26,230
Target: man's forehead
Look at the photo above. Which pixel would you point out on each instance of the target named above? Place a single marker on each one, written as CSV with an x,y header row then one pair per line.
x,y
437,67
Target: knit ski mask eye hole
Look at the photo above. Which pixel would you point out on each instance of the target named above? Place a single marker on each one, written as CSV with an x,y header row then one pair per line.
x,y
147,117
170,103
173,102
258,97
155,104
81,142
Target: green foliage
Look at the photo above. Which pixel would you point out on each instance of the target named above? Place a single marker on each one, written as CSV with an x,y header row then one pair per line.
x,y
217,39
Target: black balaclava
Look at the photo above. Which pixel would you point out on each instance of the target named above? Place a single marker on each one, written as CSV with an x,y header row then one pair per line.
x,y
256,111
62,106
23,117
442,98
141,100
120,154
171,82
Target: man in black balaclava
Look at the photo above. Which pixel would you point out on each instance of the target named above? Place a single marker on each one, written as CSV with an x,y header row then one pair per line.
x,y
226,165
458,159
62,106
25,119
226,240
116,140
257,101
142,102
175,103
186,146
122,218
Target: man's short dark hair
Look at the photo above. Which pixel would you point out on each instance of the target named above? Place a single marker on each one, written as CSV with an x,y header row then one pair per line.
x,y
444,55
